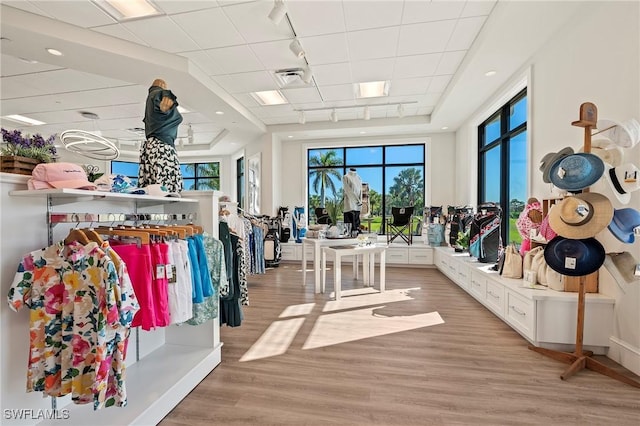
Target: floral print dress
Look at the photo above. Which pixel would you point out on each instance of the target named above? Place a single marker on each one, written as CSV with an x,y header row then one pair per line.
x,y
77,310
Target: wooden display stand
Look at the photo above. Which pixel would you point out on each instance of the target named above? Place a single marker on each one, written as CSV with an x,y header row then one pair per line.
x,y
580,359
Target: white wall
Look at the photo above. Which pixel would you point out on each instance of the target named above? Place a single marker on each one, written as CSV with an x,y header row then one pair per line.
x,y
595,58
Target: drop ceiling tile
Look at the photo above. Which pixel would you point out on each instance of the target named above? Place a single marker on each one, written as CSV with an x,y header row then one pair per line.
x,y
450,62
423,11
256,81
207,28
340,92
409,86
416,66
162,31
260,112
373,44
477,8
362,15
246,100
332,74
466,31
181,6
373,70
12,66
310,18
119,31
429,37
79,13
205,62
326,49
301,95
235,59
252,21
439,84
424,110
276,55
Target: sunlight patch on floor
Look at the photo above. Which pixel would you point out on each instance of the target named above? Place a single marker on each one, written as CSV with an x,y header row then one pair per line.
x,y
367,296
349,326
296,310
275,340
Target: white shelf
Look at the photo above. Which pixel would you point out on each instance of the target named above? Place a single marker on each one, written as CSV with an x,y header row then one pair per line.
x,y
155,385
115,196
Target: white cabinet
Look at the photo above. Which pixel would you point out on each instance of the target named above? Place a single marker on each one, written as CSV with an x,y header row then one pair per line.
x,y
399,255
290,251
545,318
420,256
163,365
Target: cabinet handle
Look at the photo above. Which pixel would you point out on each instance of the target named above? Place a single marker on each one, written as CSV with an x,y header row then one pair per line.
x,y
518,311
492,294
475,283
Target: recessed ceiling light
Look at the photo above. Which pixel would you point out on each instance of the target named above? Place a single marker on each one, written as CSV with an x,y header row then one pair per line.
x,y
290,136
130,9
89,115
490,73
371,89
362,133
220,112
444,127
23,120
54,52
269,97
182,110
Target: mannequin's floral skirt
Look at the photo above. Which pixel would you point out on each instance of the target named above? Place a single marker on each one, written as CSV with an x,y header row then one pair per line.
x,y
159,164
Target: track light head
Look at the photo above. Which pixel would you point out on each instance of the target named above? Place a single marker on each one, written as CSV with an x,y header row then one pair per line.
x,y
307,75
367,113
296,48
334,116
278,11
301,117
400,110
190,134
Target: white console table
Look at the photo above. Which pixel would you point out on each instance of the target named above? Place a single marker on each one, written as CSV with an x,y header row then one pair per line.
x,y
546,318
316,245
368,264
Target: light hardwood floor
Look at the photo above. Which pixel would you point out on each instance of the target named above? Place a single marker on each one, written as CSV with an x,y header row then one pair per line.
x,y
380,359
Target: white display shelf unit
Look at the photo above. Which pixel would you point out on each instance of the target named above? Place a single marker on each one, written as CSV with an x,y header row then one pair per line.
x,y
546,318
163,365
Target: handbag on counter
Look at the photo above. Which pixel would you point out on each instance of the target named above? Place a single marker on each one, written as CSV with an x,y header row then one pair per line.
x,y
512,266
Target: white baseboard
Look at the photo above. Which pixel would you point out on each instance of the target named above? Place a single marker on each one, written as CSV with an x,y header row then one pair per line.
x,y
625,354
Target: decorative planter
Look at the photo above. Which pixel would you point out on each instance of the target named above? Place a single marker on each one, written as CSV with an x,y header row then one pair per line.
x,y
18,165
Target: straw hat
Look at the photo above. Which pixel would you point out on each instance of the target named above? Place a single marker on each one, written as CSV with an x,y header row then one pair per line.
x,y
624,223
581,215
624,180
576,172
574,257
625,134
550,158
610,153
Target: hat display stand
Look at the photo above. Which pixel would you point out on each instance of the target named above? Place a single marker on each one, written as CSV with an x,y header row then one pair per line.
x,y
579,359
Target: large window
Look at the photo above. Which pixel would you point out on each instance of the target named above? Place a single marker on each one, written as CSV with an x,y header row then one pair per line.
x,y
196,176
240,182
502,162
395,174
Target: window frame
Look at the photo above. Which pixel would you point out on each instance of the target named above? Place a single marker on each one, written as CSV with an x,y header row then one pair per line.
x,y
195,178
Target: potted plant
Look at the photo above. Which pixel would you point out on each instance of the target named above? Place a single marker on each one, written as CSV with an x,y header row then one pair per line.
x,y
20,154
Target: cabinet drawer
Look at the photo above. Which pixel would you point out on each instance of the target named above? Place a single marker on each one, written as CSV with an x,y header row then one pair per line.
x,y
463,277
420,256
478,287
520,313
495,297
397,255
309,251
288,252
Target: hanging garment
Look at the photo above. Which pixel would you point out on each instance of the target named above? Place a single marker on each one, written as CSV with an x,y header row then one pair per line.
x,y
208,309
179,283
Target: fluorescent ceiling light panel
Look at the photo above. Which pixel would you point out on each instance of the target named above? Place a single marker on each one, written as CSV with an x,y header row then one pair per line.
x,y
270,97
372,89
122,10
24,120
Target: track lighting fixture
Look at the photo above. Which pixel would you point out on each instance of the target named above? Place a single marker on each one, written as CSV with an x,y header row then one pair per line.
x,y
307,75
278,11
301,118
334,116
400,110
296,48
190,134
367,113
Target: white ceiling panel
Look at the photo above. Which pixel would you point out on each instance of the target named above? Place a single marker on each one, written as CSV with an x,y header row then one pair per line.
x,y
373,70
409,86
477,8
326,49
465,32
365,15
174,39
235,59
301,95
332,74
12,65
179,6
246,100
276,54
439,84
373,44
204,61
341,92
246,82
450,62
429,37
81,14
208,28
249,20
310,18
416,66
117,30
429,11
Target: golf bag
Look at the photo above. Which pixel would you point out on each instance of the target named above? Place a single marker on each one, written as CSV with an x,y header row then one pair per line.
x,y
459,219
272,249
484,238
285,224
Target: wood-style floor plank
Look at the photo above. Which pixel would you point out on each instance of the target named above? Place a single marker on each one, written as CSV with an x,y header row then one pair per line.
x,y
472,369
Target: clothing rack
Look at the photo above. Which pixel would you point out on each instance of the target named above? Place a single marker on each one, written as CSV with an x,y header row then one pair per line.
x,y
55,218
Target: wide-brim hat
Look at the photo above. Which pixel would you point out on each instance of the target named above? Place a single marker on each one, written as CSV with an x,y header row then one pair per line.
x,y
581,215
610,153
625,134
550,158
576,172
624,180
574,257
623,223
622,267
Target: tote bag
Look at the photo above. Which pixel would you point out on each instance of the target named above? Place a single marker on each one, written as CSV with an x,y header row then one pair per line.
x,y
512,267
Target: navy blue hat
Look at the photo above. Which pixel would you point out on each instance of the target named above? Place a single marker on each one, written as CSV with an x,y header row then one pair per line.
x,y
623,223
574,257
576,172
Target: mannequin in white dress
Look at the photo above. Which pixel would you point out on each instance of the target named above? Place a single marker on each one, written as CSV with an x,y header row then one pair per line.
x,y
352,187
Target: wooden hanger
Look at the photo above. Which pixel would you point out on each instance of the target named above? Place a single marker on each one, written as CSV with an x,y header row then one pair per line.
x,y
93,235
76,234
142,235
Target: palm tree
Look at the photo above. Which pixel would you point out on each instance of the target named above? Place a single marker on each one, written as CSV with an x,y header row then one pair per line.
x,y
407,188
208,175
322,178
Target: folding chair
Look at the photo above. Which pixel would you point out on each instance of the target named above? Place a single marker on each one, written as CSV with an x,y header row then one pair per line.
x,y
322,216
399,223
